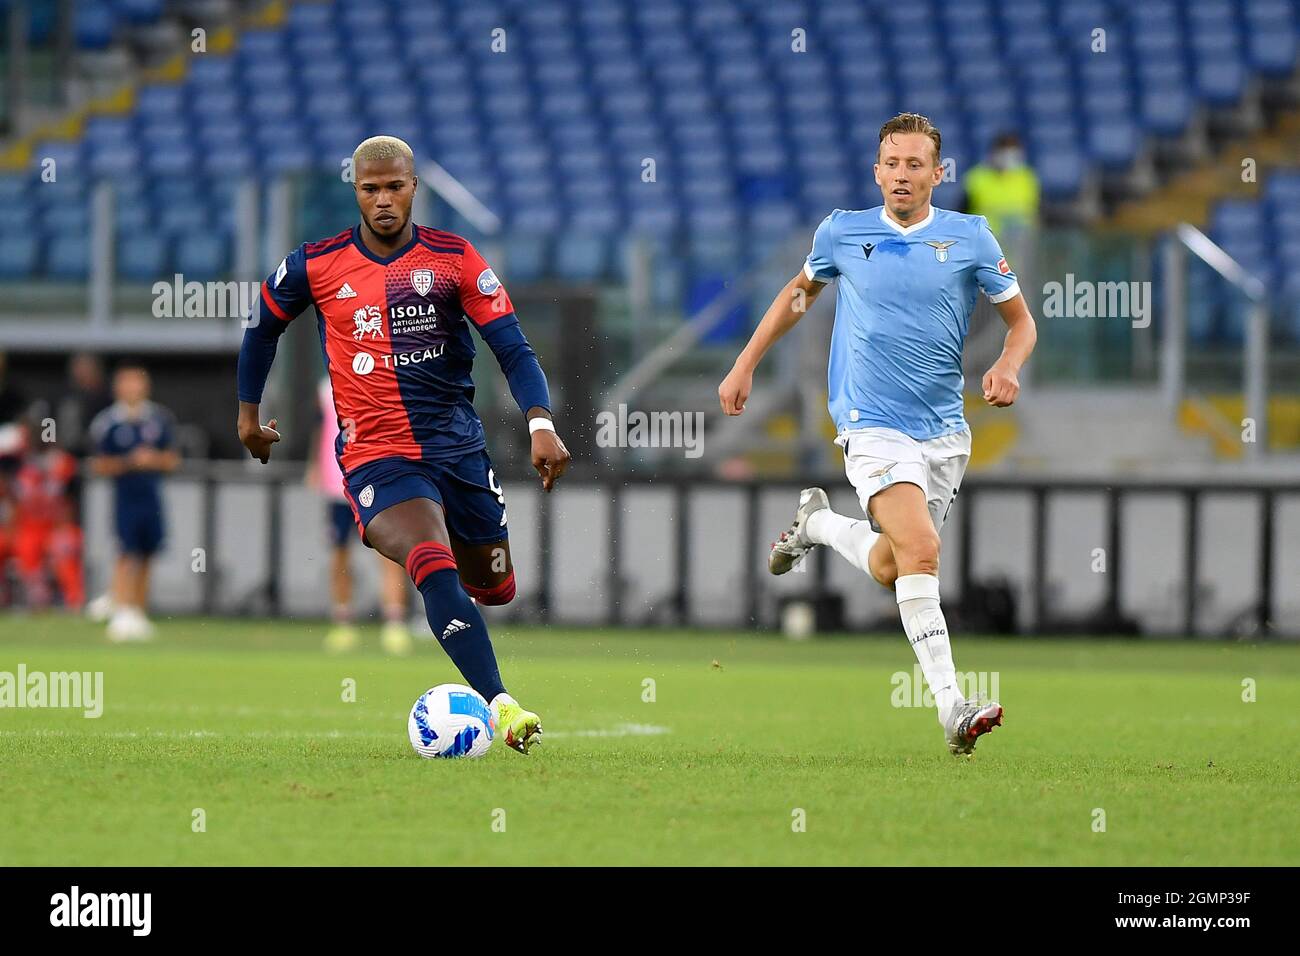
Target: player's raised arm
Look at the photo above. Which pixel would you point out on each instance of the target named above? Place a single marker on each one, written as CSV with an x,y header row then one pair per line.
x,y
488,307
284,294
781,316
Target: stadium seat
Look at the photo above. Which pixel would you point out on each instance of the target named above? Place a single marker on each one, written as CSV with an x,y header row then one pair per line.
x,y
142,258
202,257
68,257
744,131
19,256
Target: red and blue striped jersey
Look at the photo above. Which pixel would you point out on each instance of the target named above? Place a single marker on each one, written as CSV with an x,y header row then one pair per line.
x,y
395,336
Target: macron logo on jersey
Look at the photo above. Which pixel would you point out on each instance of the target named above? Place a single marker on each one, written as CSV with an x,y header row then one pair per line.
x,y
346,292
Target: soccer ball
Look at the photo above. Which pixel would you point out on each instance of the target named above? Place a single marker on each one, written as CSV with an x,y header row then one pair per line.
x,y
451,720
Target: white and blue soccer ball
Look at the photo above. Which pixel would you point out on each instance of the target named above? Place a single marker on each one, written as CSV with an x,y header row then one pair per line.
x,y
451,720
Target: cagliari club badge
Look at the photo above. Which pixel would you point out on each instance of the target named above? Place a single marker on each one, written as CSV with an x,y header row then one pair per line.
x,y
422,280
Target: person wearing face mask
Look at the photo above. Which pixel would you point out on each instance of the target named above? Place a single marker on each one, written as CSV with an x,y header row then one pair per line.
x,y
1003,189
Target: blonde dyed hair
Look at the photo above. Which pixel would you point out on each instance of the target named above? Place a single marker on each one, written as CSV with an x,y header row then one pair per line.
x,y
380,148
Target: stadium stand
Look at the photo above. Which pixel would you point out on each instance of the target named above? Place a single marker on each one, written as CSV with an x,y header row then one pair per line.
x,y
748,142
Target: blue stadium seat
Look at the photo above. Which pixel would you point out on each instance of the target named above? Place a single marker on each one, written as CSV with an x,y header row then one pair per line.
x,y
581,257
93,24
142,258
68,257
139,12
525,259
746,133
1113,142
19,255
202,257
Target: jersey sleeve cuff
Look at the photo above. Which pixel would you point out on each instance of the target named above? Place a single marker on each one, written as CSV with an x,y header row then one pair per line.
x,y
812,276
1010,292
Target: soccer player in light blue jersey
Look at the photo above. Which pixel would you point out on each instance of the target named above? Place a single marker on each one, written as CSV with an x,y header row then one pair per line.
x,y
907,278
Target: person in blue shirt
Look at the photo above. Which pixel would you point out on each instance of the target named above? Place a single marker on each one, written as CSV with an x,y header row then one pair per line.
x,y
908,275
134,441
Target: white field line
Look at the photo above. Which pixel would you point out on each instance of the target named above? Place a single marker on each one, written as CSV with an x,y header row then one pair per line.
x,y
618,730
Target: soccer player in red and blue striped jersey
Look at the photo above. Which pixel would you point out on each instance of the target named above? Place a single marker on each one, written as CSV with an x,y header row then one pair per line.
x,y
394,305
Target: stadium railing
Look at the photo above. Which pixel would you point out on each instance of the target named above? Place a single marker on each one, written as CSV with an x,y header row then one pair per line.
x,y
1086,556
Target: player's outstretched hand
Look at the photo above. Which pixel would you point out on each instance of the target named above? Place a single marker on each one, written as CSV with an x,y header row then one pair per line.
x,y
258,439
1001,386
550,457
734,391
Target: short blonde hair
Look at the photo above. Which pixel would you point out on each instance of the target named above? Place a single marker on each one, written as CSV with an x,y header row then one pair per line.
x,y
912,123
382,147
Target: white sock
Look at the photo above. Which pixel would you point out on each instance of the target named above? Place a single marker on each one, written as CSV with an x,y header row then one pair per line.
x,y
851,539
918,605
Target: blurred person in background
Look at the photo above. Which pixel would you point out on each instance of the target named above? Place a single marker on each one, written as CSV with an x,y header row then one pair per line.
x,y
12,405
324,476
1004,190
42,532
88,394
12,402
134,441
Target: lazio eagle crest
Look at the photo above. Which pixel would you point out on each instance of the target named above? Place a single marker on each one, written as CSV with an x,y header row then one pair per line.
x,y
940,248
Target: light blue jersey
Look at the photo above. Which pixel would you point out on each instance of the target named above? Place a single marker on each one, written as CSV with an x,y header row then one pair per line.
x,y
902,311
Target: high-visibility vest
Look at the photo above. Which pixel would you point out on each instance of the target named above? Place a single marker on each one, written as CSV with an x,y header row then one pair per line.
x,y
1002,196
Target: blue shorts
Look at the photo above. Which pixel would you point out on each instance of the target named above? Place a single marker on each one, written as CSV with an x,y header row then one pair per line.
x,y
342,523
473,503
139,530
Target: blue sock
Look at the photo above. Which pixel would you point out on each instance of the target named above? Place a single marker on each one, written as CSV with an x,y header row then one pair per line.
x,y
454,618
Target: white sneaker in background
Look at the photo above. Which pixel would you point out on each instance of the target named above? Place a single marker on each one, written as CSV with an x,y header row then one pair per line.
x,y
128,625
100,609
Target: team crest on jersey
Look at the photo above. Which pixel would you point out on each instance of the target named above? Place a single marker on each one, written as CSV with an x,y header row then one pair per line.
x,y
422,281
488,282
370,321
367,496
940,248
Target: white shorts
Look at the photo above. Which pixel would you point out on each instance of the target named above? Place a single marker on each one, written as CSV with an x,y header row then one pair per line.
x,y
875,458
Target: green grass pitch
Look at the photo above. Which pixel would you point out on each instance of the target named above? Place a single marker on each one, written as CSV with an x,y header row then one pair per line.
x,y
247,722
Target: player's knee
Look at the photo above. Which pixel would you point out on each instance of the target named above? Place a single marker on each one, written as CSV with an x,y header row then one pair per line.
x,y
918,554
497,594
886,576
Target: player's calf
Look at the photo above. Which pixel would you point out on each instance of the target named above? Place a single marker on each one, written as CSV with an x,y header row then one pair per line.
x,y
453,617
881,564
